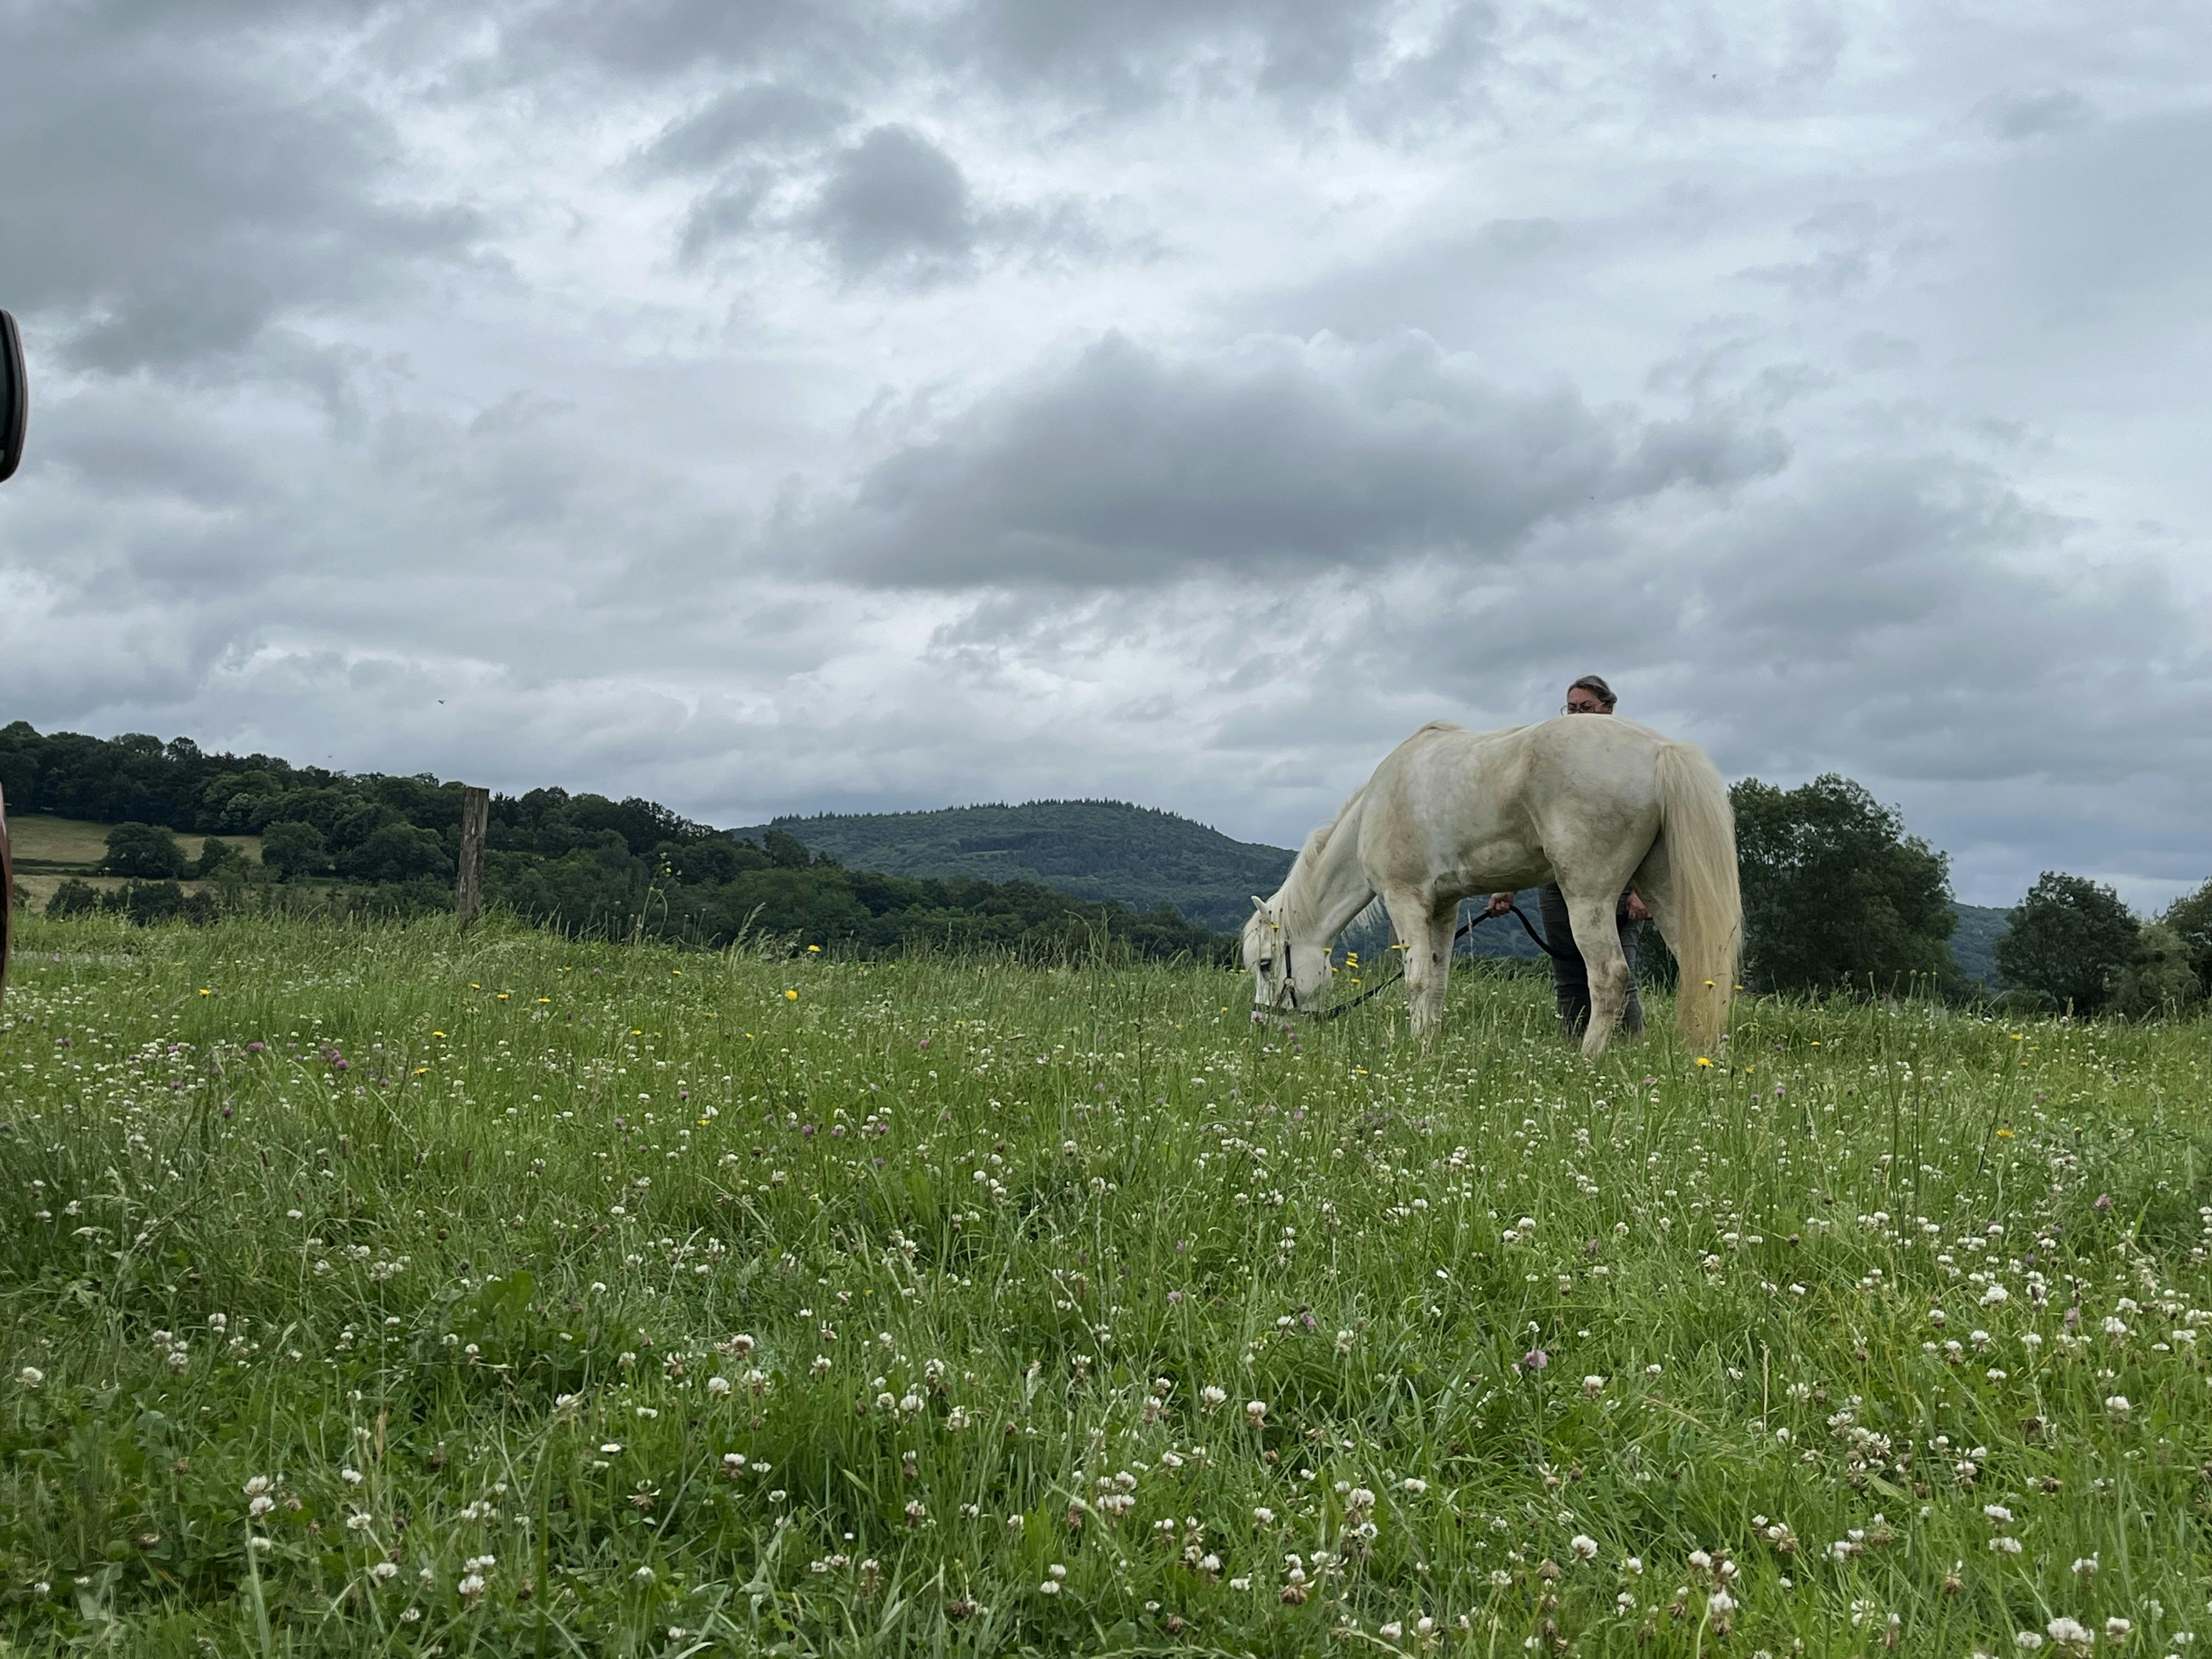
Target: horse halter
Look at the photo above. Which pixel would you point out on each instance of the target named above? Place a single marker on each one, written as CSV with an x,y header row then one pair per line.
x,y
1282,998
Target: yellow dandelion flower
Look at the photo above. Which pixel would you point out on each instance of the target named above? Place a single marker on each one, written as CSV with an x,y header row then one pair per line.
x,y
1702,1061
473,985
791,996
545,999
678,972
2004,1135
419,1070
205,992
437,1034
504,995
815,950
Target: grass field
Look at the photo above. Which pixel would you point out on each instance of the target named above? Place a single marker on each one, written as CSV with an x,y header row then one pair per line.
x,y
79,843
49,851
383,1290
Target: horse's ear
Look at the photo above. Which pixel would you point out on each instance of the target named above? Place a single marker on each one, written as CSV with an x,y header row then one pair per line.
x,y
1259,903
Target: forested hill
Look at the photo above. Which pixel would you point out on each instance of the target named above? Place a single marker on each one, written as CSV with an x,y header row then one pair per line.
x,y
1134,856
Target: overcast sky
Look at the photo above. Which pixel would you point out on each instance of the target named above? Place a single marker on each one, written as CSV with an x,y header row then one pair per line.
x,y
775,405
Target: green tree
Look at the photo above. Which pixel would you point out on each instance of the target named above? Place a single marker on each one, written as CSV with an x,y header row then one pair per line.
x,y
2190,917
1836,896
293,849
73,898
2156,981
2067,938
784,850
144,849
398,852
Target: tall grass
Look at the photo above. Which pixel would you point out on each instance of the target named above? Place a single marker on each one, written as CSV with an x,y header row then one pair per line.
x,y
379,1289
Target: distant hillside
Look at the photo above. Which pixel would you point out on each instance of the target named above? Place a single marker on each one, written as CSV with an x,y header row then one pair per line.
x,y
1140,857
1974,940
1134,856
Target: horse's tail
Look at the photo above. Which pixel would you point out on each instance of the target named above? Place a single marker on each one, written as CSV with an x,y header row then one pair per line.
x,y
1697,824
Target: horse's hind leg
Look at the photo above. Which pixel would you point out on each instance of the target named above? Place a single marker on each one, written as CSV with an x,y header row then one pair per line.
x,y
1598,939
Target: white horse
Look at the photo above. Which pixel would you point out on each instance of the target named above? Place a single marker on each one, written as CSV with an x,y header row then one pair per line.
x,y
1595,804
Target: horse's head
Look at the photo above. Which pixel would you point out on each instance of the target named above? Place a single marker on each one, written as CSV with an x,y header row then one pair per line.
x,y
1286,978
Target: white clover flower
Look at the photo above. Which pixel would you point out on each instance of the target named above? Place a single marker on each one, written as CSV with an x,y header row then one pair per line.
x,y
1265,1516
1413,1485
385,1572
472,1585
30,1376
1255,1412
360,1520
351,1477
2069,1632
1593,1386
645,1576
1212,1396
1996,1296
260,1505
1583,1546
2118,1405
258,1484
718,1386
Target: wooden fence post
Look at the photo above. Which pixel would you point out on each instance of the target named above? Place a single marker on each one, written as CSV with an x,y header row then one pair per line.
x,y
468,887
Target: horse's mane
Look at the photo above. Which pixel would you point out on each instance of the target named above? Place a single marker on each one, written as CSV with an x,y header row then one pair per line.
x,y
1316,841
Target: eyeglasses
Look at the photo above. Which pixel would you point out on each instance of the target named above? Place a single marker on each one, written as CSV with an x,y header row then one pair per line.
x,y
1582,708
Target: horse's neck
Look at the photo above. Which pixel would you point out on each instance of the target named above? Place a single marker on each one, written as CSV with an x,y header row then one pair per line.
x,y
1326,892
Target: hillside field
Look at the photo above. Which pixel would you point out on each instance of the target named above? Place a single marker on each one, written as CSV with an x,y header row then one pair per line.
x,y
49,850
386,1290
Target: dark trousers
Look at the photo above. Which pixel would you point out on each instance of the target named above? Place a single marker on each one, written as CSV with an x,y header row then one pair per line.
x,y
1571,974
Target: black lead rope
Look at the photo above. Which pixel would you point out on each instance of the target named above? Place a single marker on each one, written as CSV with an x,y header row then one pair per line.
x,y
1481,916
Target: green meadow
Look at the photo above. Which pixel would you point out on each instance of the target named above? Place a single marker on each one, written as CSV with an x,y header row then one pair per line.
x,y
388,1290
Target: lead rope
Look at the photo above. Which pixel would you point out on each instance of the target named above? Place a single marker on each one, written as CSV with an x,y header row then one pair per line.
x,y
1481,916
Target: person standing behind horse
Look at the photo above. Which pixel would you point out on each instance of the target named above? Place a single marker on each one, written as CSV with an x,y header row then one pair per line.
x,y
1569,974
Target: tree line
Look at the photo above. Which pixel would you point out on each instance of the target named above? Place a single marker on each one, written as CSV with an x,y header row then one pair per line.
x,y
1838,897
380,844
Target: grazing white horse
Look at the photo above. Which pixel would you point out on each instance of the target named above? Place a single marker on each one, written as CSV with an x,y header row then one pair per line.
x,y
1595,804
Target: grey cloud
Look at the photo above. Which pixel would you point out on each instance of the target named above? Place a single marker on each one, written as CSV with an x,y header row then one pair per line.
x,y
2017,115
665,39
764,115
1120,58
170,192
1131,54
727,210
894,204
1125,467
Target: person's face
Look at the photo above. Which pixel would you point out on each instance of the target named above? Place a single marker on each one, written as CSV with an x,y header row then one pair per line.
x,y
1581,700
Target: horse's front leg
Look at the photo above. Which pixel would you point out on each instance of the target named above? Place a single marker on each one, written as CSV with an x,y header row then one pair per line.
x,y
1426,932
